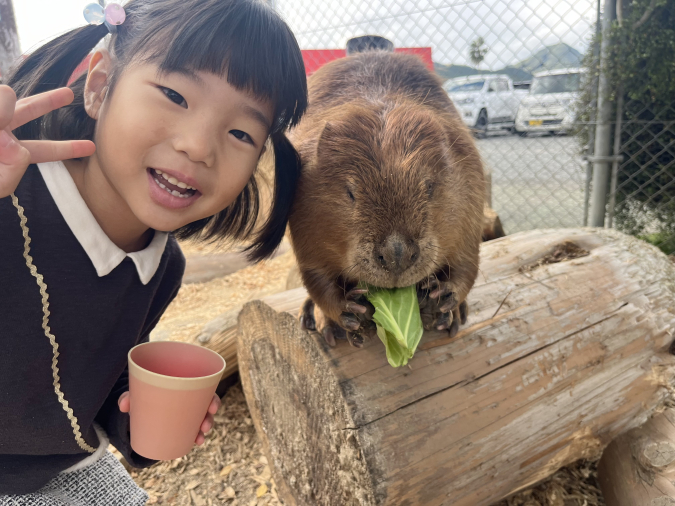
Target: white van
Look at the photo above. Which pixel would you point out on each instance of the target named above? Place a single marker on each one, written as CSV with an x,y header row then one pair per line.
x,y
485,101
548,107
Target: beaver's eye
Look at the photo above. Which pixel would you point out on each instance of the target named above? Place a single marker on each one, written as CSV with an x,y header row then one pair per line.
x,y
351,195
430,188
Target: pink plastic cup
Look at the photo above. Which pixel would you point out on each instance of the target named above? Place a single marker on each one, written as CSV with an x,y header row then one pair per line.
x,y
171,385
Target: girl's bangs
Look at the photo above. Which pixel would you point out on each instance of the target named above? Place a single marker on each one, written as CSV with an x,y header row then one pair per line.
x,y
244,41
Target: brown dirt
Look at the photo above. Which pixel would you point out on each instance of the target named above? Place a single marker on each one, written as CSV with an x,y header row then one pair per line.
x,y
198,303
575,485
230,468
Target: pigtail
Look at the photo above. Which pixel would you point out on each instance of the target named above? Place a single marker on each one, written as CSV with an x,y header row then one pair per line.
x,y
287,172
50,67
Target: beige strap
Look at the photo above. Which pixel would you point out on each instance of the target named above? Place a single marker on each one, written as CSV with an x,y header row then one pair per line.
x,y
45,325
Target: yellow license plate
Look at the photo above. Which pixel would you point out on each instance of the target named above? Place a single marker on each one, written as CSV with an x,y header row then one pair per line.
x,y
536,122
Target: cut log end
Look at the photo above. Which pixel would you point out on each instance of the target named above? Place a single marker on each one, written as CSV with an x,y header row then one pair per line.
x,y
296,401
638,467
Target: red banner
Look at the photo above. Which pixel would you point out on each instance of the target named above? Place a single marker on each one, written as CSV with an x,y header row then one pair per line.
x,y
315,58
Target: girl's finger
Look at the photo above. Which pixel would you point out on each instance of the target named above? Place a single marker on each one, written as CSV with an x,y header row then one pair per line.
x,y
14,160
123,402
200,439
207,424
52,151
7,106
30,108
215,405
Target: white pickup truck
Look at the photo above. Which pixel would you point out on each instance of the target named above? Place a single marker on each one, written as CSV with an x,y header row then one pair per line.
x,y
486,101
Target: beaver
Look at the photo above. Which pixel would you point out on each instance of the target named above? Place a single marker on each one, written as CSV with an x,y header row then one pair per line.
x,y
391,194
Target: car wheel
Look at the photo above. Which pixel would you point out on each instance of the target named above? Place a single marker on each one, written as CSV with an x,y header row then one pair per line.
x,y
480,128
522,134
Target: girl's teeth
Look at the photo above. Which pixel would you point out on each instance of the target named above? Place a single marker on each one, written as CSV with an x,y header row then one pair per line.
x,y
176,194
175,182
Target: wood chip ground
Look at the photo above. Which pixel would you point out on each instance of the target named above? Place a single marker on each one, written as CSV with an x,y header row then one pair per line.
x,y
230,468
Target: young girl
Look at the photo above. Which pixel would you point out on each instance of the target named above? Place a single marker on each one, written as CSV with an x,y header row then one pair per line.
x,y
179,108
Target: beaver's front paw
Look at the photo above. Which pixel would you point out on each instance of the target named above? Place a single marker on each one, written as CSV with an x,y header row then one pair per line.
x,y
354,322
307,319
356,316
439,307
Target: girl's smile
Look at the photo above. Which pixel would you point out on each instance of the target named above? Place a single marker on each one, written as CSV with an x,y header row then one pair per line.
x,y
171,190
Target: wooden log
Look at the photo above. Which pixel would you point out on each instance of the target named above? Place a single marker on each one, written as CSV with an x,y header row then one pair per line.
x,y
205,267
492,225
555,361
638,468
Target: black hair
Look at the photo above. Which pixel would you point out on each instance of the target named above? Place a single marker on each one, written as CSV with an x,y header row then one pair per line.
x,y
244,40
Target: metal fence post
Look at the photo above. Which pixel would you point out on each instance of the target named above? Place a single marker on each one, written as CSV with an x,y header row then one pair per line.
x,y
593,115
603,128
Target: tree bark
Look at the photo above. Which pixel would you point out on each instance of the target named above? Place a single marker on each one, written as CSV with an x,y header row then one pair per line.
x,y
638,468
9,39
555,361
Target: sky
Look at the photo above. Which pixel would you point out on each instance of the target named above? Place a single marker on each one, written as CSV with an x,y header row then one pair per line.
x,y
512,29
40,20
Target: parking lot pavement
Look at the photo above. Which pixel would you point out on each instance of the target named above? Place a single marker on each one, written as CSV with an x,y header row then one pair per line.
x,y
537,181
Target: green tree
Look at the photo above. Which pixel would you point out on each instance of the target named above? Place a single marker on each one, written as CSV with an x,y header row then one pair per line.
x,y
641,64
477,51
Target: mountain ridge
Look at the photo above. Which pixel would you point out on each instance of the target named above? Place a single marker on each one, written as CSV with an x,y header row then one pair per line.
x,y
548,58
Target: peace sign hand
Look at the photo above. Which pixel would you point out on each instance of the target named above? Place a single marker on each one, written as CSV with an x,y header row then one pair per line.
x,y
15,155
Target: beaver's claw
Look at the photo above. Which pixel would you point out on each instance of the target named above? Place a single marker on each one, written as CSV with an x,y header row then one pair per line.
x,y
439,308
357,317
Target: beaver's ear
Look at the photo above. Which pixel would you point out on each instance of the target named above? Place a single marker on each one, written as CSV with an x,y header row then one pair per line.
x,y
331,141
328,145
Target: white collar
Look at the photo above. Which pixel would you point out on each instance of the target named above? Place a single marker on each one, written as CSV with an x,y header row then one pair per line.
x,y
102,252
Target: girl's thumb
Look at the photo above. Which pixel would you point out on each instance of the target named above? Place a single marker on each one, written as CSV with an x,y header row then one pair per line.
x,y
14,160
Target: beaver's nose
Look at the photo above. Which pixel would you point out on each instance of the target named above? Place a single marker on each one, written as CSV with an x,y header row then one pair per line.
x,y
395,254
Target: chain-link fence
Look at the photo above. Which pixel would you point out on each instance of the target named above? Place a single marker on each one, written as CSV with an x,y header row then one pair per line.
x,y
642,199
513,69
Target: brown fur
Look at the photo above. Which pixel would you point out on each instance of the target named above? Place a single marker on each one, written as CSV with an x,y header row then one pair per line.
x,y
380,126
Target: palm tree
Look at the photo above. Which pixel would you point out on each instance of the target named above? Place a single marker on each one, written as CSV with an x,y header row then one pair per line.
x,y
9,39
477,51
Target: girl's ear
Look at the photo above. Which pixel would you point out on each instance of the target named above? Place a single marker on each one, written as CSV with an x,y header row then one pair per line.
x,y
96,86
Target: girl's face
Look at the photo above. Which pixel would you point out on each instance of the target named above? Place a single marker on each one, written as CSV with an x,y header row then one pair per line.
x,y
178,147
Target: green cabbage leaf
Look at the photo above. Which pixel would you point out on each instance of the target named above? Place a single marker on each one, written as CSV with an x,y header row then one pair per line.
x,y
399,325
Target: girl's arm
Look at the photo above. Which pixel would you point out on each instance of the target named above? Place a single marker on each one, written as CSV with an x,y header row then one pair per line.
x,y
15,155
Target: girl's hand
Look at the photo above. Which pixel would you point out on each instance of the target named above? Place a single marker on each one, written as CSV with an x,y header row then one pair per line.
x,y
207,424
15,155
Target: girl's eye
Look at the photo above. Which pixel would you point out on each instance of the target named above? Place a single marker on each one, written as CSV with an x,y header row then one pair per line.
x,y
175,97
242,136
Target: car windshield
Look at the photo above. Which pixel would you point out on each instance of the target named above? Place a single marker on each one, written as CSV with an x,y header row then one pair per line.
x,y
474,86
561,83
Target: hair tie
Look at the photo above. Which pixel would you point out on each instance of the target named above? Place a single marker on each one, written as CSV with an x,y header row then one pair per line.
x,y
112,15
